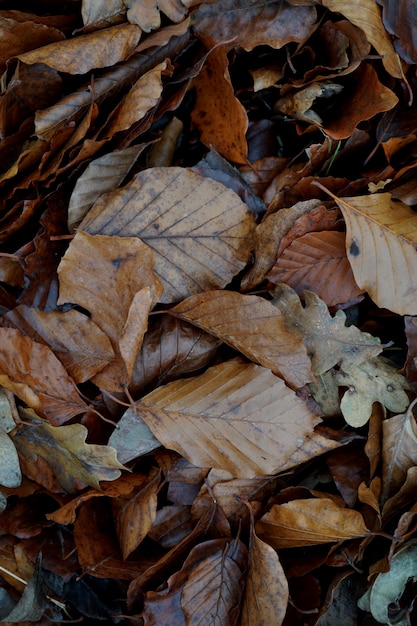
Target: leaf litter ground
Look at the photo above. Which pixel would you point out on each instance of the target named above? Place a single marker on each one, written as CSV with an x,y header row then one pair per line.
x,y
208,341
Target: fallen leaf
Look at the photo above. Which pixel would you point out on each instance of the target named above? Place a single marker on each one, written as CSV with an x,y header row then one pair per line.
x,y
81,54
102,174
381,248
375,380
317,262
73,461
74,338
200,231
132,438
253,326
366,15
31,605
93,11
32,372
235,416
266,591
219,116
399,23
10,473
146,13
308,523
328,340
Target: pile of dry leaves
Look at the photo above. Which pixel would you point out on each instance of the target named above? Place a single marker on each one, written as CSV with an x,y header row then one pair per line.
x,y
208,331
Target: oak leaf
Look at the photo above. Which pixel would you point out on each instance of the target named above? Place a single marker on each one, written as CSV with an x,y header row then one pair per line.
x,y
308,523
253,326
146,13
73,461
236,416
199,231
328,340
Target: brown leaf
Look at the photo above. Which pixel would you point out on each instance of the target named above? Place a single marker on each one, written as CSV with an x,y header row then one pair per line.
x,y
266,591
276,25
109,276
79,344
81,54
72,460
200,231
146,13
219,116
234,417
398,21
381,248
102,10
134,515
253,326
318,262
32,372
308,523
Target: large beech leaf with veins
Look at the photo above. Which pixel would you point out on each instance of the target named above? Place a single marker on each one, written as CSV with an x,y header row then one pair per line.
x,y
199,230
381,244
328,340
253,326
236,416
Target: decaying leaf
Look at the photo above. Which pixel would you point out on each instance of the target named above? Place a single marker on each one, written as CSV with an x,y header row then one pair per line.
x,y
236,416
328,340
73,461
253,326
132,438
309,522
10,473
199,231
146,13
375,380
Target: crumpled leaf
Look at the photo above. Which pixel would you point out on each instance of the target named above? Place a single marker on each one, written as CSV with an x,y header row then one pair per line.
x,y
33,373
266,591
253,326
366,15
299,105
309,522
328,340
113,278
399,450
32,604
388,587
375,380
381,247
10,474
79,55
236,416
73,461
102,174
146,13
200,231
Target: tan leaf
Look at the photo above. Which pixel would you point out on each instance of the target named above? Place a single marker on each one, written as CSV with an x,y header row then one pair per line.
x,y
134,515
96,11
381,243
308,523
236,416
64,449
146,13
399,450
253,326
328,340
104,275
102,174
366,14
266,592
317,262
79,55
144,96
74,338
32,372
199,231
218,114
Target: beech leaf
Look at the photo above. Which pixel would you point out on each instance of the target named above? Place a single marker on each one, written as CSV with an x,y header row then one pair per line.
x,y
64,449
199,230
236,416
266,592
309,522
328,340
253,326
